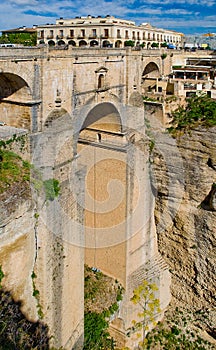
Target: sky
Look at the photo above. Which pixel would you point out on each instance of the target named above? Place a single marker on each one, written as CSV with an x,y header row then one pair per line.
x,y
186,16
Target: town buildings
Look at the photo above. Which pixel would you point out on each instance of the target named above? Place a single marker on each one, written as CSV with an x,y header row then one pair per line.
x,y
106,31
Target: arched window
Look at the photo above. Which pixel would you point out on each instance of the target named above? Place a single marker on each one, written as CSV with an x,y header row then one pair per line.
x,y
100,81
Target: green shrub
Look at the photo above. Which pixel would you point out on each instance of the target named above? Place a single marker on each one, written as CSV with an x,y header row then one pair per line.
x,y
52,189
200,110
96,335
129,43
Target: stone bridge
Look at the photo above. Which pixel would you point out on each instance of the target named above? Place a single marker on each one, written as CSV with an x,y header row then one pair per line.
x,y
83,112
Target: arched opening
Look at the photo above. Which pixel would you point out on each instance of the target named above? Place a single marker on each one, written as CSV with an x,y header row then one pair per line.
x,y
54,115
102,150
150,76
93,43
61,43
51,43
151,70
106,43
118,43
82,43
15,97
100,81
72,43
103,117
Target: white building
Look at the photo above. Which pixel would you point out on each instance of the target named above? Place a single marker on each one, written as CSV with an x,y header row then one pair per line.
x,y
106,31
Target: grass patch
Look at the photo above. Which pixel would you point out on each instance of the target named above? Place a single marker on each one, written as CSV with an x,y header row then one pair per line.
x,y
13,169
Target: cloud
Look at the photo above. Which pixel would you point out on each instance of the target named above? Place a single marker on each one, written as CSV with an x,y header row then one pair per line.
x,y
184,14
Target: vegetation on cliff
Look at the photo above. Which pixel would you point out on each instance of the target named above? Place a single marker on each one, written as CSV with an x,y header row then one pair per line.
x,y
177,331
13,171
199,110
102,294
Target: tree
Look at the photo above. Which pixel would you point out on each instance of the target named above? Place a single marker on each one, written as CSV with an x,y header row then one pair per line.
x,y
144,296
129,43
199,110
155,44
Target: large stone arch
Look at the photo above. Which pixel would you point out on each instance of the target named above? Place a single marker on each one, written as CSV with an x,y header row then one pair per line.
x,y
103,116
150,75
15,100
151,70
101,148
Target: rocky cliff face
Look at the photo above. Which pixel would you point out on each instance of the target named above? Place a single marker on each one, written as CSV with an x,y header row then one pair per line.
x,y
183,178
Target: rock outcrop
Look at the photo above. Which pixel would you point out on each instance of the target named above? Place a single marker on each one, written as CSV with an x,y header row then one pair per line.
x,y
183,178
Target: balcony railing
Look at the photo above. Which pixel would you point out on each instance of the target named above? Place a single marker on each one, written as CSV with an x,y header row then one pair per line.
x,y
50,37
70,37
59,36
93,36
81,37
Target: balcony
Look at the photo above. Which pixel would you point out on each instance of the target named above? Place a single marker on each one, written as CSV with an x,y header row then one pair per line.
x,y
50,36
59,37
70,37
92,36
81,37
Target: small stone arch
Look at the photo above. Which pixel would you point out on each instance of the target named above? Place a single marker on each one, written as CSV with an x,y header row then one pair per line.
x,y
105,43
51,43
118,43
93,43
54,115
61,42
72,43
82,43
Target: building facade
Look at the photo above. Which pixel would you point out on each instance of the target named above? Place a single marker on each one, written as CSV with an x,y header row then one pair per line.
x,y
106,31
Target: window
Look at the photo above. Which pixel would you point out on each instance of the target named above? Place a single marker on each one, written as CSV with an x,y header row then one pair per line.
x,y
50,36
106,33
42,34
100,81
71,33
118,33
